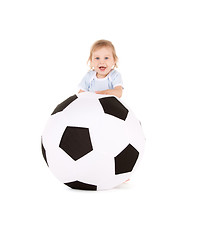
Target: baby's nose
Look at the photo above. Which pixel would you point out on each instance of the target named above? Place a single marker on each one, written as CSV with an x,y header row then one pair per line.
x,y
102,61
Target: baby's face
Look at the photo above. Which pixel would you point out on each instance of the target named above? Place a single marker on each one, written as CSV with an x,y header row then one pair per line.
x,y
102,61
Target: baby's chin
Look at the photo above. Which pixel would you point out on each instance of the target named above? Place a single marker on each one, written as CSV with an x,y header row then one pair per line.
x,y
103,72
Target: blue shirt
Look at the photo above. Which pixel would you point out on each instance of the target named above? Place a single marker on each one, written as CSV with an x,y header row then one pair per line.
x,y
91,83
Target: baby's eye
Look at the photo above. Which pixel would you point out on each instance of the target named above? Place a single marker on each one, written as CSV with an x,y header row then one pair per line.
x,y
106,58
97,58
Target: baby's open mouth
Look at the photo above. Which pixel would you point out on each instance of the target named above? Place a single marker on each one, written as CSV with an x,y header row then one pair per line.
x,y
102,68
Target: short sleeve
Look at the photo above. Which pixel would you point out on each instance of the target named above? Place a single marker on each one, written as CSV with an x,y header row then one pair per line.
x,y
116,79
84,84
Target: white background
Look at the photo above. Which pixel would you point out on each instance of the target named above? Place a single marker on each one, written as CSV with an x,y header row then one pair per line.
x,y
162,50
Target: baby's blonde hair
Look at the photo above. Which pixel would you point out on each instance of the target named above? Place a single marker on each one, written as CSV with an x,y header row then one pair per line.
x,y
99,44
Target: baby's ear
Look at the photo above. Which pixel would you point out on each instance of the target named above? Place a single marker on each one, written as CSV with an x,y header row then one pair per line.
x,y
91,68
91,65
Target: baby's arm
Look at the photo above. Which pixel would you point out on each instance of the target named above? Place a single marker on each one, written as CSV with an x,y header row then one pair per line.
x,y
80,91
117,91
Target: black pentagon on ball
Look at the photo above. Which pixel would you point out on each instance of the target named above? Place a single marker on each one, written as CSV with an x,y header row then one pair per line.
x,y
44,153
76,142
60,107
125,161
81,185
114,107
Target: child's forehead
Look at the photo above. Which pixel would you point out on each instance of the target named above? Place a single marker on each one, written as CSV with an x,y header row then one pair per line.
x,y
102,50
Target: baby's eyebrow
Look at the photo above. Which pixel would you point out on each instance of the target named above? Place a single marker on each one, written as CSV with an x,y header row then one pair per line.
x,y
104,55
99,56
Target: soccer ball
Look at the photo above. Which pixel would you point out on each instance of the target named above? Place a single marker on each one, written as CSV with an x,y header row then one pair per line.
x,y
92,142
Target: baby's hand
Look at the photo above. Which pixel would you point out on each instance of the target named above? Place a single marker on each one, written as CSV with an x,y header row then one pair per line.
x,y
103,92
117,91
